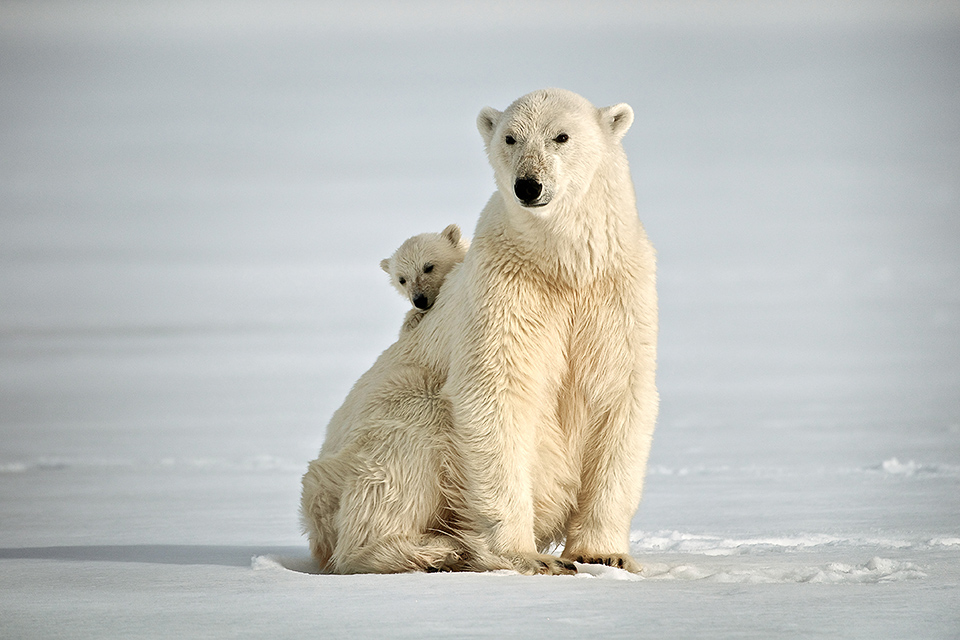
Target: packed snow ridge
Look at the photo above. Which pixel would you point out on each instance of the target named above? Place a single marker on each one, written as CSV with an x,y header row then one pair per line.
x,y
688,543
876,570
891,466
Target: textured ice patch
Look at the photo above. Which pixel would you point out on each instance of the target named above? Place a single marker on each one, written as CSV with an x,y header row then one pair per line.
x,y
266,563
679,542
708,545
675,555
875,571
892,466
605,572
895,467
944,542
300,564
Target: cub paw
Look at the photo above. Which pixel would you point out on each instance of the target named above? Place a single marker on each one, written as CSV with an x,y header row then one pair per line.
x,y
618,560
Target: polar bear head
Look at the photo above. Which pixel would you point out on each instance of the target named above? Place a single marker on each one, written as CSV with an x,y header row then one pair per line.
x,y
421,264
547,146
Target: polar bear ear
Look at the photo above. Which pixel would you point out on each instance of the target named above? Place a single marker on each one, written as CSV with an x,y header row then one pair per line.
x,y
487,122
452,234
617,119
385,264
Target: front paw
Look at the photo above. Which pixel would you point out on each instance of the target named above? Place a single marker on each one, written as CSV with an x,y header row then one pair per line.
x,y
532,564
618,560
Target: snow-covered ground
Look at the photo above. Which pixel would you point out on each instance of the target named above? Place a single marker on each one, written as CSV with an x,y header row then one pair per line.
x,y
194,199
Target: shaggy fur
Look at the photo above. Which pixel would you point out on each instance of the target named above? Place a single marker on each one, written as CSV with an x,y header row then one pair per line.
x,y
421,264
378,476
518,414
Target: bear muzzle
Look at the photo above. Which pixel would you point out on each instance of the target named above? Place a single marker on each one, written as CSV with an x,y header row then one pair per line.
x,y
420,301
528,192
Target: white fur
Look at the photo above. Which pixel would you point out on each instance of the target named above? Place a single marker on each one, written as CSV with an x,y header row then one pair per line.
x,y
519,413
421,264
372,497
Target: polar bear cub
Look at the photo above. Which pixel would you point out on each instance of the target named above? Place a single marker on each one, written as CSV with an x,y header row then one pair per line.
x,y
421,264
372,501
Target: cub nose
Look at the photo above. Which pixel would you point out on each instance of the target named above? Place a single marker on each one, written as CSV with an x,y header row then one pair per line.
x,y
421,302
527,189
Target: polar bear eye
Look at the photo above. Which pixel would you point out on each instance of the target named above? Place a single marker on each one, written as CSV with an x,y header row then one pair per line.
x,y
427,268
510,140
561,138
402,281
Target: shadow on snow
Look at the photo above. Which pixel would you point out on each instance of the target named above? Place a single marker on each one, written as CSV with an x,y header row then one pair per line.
x,y
293,558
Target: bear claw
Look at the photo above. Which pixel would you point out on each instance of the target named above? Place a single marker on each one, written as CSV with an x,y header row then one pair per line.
x,y
619,561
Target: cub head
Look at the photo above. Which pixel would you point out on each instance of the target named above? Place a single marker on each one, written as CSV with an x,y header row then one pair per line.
x,y
421,264
548,144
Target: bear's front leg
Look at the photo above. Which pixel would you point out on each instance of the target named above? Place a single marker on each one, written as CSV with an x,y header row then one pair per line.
x,y
502,387
614,467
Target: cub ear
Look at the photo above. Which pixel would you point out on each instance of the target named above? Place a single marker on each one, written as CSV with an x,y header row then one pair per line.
x,y
385,264
452,234
487,122
617,119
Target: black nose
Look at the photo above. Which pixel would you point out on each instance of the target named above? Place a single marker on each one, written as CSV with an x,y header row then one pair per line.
x,y
527,189
421,302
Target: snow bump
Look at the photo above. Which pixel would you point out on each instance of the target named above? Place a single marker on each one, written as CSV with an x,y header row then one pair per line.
x,y
876,570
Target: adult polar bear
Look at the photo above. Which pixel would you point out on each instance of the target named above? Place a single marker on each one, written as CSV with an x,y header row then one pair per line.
x,y
551,377
545,340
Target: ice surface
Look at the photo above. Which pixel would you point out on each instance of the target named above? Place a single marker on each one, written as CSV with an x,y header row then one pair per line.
x,y
194,199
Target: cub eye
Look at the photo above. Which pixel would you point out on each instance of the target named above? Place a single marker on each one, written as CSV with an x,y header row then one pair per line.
x,y
403,281
561,138
510,140
427,268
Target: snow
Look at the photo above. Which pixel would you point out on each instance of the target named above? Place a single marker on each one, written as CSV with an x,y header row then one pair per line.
x,y
194,199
